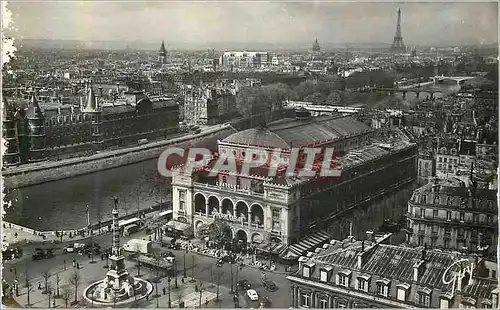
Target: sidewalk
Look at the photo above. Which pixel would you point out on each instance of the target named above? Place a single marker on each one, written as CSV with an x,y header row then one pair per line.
x,y
247,261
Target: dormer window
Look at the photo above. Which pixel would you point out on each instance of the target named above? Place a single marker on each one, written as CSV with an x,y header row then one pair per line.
x,y
307,270
363,283
424,297
444,301
325,273
383,287
343,278
403,290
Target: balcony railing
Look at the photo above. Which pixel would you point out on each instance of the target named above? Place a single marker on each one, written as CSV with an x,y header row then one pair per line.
x,y
235,190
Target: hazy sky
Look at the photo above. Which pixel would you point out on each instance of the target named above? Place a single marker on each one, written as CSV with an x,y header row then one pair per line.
x,y
266,22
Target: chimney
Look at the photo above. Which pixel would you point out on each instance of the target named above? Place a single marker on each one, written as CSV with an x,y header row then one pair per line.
x,y
118,88
369,236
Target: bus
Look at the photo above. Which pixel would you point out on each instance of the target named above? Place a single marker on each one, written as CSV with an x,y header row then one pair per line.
x,y
131,221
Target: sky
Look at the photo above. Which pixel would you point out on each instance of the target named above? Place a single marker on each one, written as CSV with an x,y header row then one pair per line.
x,y
263,22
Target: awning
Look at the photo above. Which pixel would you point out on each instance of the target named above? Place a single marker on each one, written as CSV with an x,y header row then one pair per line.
x,y
306,244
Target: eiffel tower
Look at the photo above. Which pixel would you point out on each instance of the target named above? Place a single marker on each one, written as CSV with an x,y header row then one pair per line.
x,y
398,46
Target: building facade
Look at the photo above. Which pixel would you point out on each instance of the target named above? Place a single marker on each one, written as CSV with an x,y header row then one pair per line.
x,y
374,274
94,125
245,59
209,105
263,210
452,217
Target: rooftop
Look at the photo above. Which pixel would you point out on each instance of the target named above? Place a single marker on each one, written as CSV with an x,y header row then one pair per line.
x,y
287,133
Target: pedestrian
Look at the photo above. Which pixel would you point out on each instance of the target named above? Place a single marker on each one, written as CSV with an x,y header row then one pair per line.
x,y
77,265
164,291
74,263
64,264
182,280
206,303
15,235
39,286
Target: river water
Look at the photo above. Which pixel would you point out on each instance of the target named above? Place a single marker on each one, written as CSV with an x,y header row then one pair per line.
x,y
63,204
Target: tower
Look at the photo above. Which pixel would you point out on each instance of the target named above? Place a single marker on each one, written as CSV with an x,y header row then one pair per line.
x,y
316,48
397,45
93,109
9,135
162,53
35,131
117,273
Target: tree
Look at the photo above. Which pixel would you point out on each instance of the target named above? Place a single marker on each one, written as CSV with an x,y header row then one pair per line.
x,y
75,279
304,89
46,276
180,295
66,293
58,279
334,98
218,278
220,232
200,288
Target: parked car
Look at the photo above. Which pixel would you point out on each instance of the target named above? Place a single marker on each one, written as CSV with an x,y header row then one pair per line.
x,y
270,285
252,294
243,285
42,254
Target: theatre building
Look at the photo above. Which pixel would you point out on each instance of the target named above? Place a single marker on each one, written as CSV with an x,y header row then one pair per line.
x,y
275,211
374,274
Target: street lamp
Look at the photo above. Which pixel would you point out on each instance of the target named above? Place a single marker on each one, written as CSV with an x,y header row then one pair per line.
x,y
232,281
185,252
169,300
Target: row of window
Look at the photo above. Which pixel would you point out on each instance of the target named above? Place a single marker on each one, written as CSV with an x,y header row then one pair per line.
x,y
476,218
362,283
456,201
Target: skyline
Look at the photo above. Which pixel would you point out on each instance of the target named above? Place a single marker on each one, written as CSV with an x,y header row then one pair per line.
x,y
279,23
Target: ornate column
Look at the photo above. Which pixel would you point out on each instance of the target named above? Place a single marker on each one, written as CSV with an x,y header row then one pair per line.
x,y
207,209
249,217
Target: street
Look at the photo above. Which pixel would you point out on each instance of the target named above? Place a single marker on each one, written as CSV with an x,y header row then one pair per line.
x,y
204,270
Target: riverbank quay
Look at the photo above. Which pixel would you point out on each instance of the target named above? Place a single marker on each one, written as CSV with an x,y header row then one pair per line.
x,y
15,235
32,174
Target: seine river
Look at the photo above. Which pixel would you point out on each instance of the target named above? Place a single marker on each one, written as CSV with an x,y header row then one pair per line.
x,y
63,204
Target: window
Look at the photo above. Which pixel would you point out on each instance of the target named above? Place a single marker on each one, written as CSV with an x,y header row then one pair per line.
x,y
423,299
462,216
382,289
306,271
475,218
323,276
422,212
343,280
448,215
323,303
420,241
434,213
362,285
444,303
401,294
446,243
306,300
342,304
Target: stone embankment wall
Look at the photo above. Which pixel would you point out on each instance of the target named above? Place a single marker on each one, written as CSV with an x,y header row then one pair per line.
x,y
52,171
24,176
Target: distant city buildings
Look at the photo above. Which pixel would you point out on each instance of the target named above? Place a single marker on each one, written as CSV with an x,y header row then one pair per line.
x,y
245,59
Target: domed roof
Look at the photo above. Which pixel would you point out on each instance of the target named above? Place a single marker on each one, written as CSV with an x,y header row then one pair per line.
x,y
262,137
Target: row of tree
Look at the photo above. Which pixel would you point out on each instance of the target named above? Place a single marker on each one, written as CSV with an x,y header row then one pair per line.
x,y
327,89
